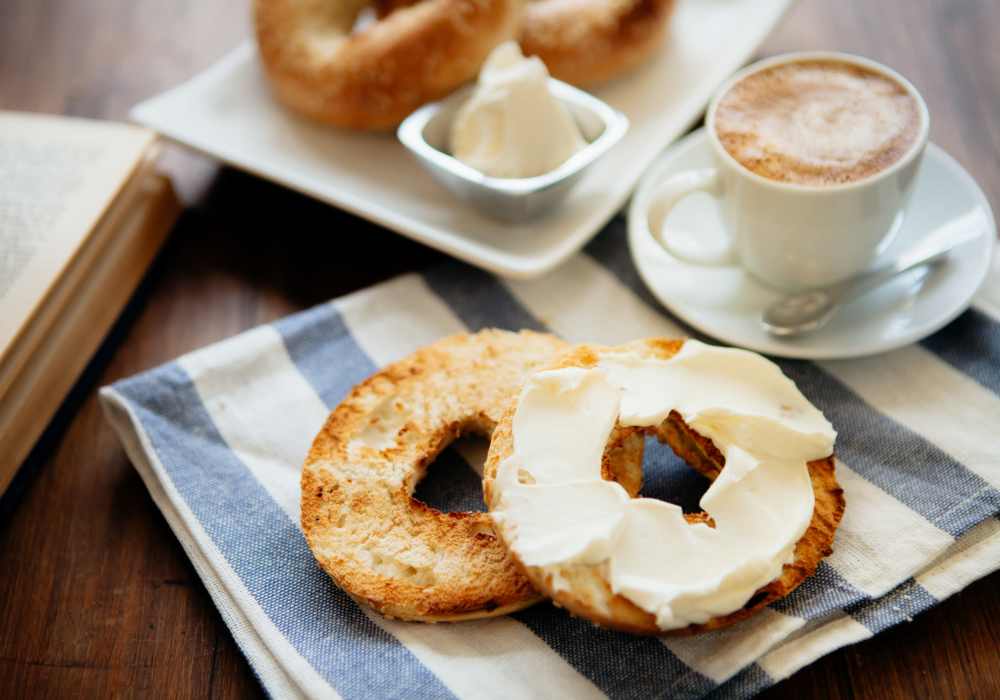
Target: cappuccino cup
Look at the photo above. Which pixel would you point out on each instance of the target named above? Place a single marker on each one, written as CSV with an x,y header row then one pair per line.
x,y
814,155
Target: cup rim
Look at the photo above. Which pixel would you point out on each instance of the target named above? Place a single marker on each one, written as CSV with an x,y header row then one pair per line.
x,y
796,56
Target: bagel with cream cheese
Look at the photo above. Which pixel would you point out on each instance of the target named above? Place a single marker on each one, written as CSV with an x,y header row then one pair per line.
x,y
387,549
584,42
641,565
372,77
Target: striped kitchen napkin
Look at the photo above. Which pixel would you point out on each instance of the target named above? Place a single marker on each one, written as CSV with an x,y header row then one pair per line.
x,y
219,436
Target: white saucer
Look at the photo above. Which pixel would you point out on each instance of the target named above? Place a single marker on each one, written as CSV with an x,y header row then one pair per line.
x,y
726,302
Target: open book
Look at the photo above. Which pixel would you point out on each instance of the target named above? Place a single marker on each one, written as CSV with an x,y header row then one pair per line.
x,y
82,214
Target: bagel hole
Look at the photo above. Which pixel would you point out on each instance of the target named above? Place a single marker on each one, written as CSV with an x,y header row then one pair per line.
x,y
666,477
453,482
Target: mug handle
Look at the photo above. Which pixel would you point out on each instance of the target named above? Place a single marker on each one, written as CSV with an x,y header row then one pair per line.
x,y
688,248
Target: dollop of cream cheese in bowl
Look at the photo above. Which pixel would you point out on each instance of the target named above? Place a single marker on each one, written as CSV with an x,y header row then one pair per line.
x,y
551,496
512,126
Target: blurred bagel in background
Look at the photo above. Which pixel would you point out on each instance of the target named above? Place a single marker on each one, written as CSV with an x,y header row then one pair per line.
x,y
584,42
370,78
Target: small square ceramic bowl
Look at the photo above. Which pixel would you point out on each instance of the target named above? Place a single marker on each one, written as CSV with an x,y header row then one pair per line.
x,y
425,134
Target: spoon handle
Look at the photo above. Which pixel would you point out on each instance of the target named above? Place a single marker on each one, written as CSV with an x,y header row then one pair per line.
x,y
939,244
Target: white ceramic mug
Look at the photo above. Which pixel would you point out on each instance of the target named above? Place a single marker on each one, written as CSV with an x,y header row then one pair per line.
x,y
790,236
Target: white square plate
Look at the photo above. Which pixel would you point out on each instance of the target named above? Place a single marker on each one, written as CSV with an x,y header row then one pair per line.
x,y
228,113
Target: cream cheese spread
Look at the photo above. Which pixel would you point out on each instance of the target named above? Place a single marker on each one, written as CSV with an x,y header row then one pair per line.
x,y
556,510
513,126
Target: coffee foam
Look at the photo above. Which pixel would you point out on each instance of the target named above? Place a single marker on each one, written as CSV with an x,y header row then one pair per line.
x,y
819,122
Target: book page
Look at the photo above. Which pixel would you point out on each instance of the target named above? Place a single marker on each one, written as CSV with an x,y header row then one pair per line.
x,y
127,240
57,178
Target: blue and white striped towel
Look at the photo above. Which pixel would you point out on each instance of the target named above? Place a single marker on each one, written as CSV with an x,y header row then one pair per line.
x,y
219,435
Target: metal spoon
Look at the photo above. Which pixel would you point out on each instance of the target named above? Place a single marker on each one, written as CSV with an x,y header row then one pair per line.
x,y
808,311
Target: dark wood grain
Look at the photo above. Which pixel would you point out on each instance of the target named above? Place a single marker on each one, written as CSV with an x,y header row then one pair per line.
x,y
97,598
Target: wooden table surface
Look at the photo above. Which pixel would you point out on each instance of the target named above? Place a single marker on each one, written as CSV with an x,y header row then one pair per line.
x,y
96,596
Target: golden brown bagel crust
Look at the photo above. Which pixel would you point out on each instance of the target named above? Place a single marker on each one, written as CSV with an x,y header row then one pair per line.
x,y
389,550
587,42
584,42
374,77
588,594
